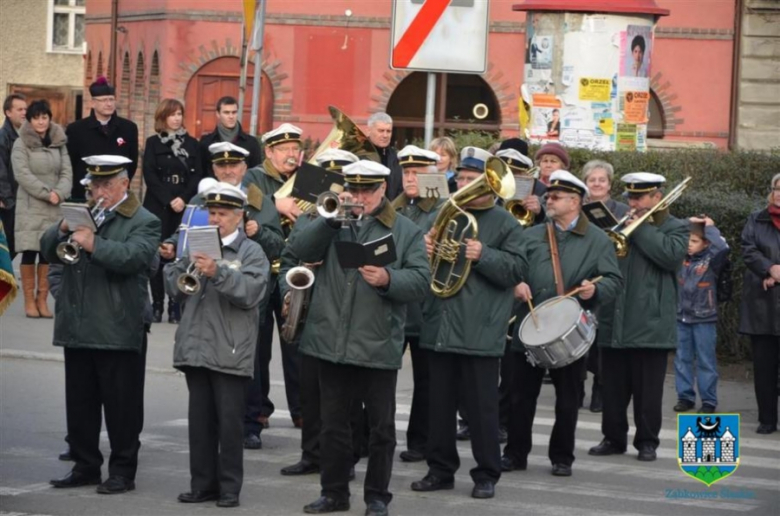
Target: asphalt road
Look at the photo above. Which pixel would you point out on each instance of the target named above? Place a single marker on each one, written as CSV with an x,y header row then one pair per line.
x,y
32,426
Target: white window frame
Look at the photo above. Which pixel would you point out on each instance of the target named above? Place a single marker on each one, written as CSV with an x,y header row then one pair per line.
x,y
71,10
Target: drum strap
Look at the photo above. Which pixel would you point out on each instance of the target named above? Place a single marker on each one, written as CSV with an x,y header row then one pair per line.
x,y
556,259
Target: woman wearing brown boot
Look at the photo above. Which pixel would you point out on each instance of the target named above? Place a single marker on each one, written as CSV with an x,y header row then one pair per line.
x,y
42,168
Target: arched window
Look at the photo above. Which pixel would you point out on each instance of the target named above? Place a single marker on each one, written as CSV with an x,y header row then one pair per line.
x,y
123,100
656,122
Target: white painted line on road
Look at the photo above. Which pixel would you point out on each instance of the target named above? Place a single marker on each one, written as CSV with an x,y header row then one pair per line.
x,y
16,491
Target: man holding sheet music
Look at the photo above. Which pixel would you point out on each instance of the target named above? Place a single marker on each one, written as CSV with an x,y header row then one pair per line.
x,y
355,328
215,344
99,321
583,253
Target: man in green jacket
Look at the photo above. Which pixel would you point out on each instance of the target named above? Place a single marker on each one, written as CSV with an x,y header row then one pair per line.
x,y
585,253
355,328
466,334
422,211
99,321
636,340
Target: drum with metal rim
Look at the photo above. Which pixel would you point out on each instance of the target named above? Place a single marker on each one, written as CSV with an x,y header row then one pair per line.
x,y
194,217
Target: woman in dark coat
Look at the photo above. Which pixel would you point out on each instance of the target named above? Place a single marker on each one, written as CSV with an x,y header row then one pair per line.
x,y
760,309
172,169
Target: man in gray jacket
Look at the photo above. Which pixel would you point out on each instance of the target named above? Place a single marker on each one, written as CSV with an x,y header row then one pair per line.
x,y
215,347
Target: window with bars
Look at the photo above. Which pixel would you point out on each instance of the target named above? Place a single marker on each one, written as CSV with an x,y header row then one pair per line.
x,y
66,26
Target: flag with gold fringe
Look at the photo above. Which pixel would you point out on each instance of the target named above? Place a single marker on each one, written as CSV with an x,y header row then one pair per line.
x,y
7,281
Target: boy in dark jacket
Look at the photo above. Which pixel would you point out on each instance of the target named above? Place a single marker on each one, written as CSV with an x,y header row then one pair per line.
x,y
697,316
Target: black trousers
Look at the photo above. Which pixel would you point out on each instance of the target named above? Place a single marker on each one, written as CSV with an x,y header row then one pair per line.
x,y
766,357
478,378
8,217
338,385
289,360
216,406
506,373
310,408
637,373
110,383
254,387
525,392
417,431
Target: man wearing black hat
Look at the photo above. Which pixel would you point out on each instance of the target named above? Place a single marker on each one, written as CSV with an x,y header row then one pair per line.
x,y
99,320
102,132
229,130
582,253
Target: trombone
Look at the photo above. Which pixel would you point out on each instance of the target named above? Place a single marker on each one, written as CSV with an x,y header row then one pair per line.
x,y
619,234
70,252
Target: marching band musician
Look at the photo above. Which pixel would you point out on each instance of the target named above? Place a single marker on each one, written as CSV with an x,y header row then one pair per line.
x,y
583,252
635,345
466,334
355,329
99,320
422,211
215,347
514,152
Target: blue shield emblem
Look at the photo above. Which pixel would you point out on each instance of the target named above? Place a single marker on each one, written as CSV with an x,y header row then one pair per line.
x,y
708,445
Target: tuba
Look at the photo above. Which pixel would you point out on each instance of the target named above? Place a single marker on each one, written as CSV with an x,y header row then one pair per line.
x,y
453,225
300,279
619,234
344,135
70,252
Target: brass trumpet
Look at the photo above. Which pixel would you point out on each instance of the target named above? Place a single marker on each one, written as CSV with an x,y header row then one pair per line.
x,y
189,281
517,209
70,252
330,206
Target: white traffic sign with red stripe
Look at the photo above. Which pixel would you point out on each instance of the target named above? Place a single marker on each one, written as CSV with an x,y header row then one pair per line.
x,y
440,35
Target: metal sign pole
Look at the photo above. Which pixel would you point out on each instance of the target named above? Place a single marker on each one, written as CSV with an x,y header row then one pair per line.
x,y
430,102
257,45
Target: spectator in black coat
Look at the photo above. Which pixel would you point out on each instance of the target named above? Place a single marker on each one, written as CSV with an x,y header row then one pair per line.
x,y
380,133
15,108
229,130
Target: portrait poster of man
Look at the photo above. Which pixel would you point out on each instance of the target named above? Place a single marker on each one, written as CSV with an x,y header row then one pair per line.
x,y
637,51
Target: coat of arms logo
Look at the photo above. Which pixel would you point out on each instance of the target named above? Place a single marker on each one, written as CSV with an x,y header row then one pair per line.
x,y
708,446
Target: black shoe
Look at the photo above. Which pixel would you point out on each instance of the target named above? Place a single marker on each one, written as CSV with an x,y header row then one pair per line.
x,y
483,489
228,500
352,473
376,508
116,485
646,454
463,433
606,447
297,422
174,312
561,470
65,455
684,406
502,435
253,442
596,403
198,496
74,479
766,429
325,504
303,467
412,456
707,409
510,464
432,483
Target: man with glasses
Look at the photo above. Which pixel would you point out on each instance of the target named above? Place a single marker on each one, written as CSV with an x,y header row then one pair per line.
x,y
585,253
103,132
642,325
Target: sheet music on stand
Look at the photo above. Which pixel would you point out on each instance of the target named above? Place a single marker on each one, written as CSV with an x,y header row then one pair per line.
x,y
78,216
524,187
433,185
206,240
598,213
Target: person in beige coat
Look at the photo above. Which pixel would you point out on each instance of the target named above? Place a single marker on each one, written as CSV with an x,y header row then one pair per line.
x,y
42,168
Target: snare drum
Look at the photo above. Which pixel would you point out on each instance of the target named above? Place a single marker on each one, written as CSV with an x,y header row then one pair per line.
x,y
564,335
194,217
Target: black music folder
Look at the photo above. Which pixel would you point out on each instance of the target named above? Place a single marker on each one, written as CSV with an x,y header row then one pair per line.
x,y
311,181
379,252
598,213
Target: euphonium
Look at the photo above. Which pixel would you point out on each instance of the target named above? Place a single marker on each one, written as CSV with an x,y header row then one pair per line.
x,y
449,267
189,281
300,279
619,235
70,252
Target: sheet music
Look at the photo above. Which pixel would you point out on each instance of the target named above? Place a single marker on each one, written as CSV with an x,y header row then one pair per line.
x,y
524,187
78,216
205,240
433,185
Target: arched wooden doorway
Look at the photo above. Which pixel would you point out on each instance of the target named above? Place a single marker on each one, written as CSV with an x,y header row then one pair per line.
x,y
456,96
216,79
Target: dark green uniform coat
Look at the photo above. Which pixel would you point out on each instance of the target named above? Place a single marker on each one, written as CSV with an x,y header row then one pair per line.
x,y
474,321
585,252
644,314
101,301
351,322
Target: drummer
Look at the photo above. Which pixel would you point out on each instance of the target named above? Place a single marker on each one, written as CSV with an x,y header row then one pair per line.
x,y
583,253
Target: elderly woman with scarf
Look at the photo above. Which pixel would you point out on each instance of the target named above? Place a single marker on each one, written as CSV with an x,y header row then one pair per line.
x,y
172,170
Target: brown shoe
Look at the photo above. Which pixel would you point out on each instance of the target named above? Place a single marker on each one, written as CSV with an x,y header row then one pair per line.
x,y
28,287
41,301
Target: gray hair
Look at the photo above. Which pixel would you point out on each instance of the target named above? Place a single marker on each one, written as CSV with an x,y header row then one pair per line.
x,y
595,164
380,117
775,179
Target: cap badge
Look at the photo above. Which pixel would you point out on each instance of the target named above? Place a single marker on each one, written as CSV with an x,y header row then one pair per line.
x,y
470,153
217,197
226,154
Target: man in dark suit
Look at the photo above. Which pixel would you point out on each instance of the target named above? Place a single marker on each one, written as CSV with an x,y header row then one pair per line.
x,y
102,132
380,133
229,130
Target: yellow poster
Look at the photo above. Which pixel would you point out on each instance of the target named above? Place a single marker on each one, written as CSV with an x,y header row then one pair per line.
x,y
595,89
607,125
626,137
635,107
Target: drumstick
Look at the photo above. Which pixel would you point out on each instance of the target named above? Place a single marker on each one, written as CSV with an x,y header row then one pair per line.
x,y
576,291
533,314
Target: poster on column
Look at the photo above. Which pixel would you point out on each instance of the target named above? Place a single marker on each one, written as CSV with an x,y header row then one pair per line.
x,y
636,51
626,137
545,117
634,107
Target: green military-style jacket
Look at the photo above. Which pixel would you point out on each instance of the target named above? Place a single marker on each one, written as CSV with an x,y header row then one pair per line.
x,y
474,321
645,311
266,177
585,253
422,212
349,321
